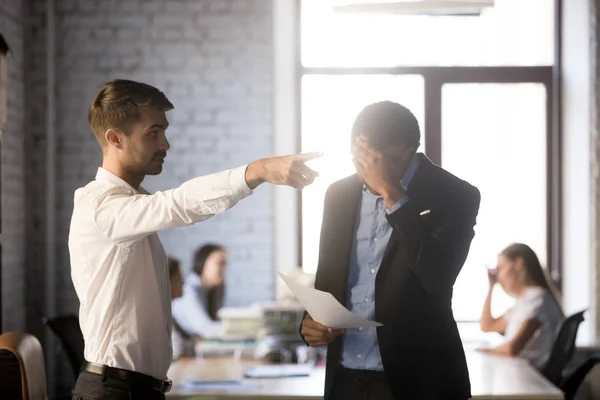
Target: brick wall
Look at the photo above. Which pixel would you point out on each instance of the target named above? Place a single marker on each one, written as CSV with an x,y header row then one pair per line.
x,y
213,60
13,171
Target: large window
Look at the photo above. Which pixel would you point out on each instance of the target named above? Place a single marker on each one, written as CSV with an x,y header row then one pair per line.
x,y
481,88
500,129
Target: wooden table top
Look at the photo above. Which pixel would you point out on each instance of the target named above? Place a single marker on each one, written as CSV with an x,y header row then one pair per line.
x,y
492,377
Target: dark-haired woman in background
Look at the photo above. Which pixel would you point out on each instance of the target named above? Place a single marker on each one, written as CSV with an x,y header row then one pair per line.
x,y
196,311
530,327
183,344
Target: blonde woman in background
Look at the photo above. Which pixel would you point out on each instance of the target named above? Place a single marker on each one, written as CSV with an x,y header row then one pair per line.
x,y
530,327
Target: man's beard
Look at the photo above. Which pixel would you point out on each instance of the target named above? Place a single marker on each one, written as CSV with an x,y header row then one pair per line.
x,y
146,168
151,167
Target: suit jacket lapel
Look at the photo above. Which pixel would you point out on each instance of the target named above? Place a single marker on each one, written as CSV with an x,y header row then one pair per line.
x,y
344,222
415,193
418,185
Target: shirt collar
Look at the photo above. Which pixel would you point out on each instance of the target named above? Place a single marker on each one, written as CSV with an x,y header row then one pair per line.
x,y
410,172
408,175
107,176
193,280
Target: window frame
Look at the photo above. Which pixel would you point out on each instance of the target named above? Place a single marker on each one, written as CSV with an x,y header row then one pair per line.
x,y
434,78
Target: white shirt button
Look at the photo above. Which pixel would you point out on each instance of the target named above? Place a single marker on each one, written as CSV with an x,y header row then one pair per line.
x,y
372,270
360,328
359,356
366,299
376,240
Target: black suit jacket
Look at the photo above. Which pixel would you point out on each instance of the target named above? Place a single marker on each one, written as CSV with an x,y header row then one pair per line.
x,y
420,347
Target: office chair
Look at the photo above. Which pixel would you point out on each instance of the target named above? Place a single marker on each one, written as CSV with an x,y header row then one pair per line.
x,y
563,349
570,385
22,371
69,333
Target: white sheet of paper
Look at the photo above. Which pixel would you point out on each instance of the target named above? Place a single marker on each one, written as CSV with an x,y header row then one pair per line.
x,y
278,371
324,308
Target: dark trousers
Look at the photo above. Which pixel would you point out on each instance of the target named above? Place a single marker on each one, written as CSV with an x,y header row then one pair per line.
x,y
94,387
350,384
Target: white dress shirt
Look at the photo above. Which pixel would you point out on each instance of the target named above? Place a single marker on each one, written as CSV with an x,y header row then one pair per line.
x,y
119,267
190,313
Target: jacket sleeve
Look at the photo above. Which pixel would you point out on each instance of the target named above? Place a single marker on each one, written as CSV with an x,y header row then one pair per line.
x,y
440,250
318,277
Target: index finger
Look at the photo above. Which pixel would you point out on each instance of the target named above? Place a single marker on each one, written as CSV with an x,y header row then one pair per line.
x,y
308,156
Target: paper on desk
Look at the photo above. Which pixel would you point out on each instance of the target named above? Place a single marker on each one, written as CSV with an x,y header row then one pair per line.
x,y
278,371
324,308
219,385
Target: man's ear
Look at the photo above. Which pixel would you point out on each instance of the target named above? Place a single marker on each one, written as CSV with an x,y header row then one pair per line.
x,y
408,153
113,138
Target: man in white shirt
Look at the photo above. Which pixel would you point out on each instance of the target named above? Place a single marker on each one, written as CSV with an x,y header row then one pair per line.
x,y
118,265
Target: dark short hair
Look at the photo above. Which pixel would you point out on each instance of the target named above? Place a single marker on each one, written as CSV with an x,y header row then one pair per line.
x,y
173,266
117,104
387,123
202,255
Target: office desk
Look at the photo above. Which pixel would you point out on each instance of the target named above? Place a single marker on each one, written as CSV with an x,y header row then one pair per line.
x,y
589,347
492,377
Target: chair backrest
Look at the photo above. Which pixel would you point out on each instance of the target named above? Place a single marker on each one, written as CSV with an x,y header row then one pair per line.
x,y
571,384
563,348
69,333
22,371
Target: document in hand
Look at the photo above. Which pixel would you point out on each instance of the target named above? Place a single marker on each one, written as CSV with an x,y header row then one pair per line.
x,y
324,308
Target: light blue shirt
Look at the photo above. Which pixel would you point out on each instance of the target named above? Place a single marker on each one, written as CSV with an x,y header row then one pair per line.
x,y
360,349
190,313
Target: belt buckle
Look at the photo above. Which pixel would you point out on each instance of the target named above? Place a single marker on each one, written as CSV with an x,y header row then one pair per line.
x,y
166,386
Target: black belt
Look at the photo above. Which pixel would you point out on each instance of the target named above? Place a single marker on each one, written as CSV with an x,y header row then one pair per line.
x,y
129,376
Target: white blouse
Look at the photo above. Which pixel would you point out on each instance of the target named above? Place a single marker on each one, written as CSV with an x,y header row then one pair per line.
x,y
190,313
537,303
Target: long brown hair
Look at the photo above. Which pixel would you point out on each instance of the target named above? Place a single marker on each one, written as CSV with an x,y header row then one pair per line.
x,y
213,297
533,268
202,255
173,266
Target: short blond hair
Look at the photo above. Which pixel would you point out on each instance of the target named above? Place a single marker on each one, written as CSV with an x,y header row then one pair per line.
x,y
117,105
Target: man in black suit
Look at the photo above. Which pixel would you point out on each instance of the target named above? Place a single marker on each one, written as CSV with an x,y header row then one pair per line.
x,y
393,240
